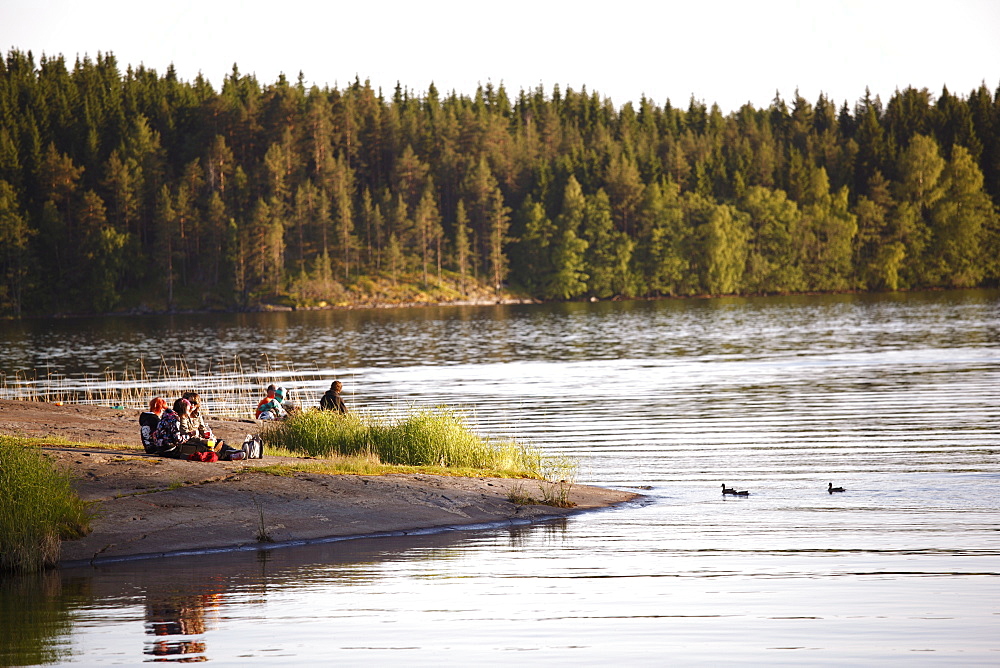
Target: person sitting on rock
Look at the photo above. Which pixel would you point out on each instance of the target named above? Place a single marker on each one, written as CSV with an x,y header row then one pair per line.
x,y
332,400
193,424
148,421
270,407
168,435
284,396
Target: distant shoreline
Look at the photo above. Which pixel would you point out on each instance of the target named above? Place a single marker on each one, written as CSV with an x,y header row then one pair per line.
x,y
504,301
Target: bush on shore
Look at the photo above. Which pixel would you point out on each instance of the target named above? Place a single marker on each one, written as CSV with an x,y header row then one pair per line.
x,y
439,437
38,508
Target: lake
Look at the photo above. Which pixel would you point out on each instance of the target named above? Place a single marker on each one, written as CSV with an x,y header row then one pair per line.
x,y
894,397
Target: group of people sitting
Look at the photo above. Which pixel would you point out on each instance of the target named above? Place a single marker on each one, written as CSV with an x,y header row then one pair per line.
x,y
165,430
278,405
180,431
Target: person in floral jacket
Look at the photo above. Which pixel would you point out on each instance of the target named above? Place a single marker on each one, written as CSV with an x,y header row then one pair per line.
x,y
168,435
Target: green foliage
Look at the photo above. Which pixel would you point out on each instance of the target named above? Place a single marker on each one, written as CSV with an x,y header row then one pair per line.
x,y
38,508
116,187
439,437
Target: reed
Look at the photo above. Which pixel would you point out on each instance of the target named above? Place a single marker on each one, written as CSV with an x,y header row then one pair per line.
x,y
559,474
422,437
230,388
38,508
262,534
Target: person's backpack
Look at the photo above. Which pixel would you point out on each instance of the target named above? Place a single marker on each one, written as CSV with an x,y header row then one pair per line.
x,y
253,446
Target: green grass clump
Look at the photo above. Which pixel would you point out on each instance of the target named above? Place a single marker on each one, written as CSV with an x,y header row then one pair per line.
x,y
38,508
439,438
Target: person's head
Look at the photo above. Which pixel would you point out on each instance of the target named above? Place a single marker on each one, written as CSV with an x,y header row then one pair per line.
x,y
280,393
271,389
157,405
182,406
336,386
194,399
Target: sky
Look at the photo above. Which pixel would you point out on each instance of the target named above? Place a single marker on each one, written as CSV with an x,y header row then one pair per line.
x,y
717,51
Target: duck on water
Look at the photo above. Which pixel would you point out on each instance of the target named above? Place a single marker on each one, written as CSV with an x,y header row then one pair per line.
x,y
731,491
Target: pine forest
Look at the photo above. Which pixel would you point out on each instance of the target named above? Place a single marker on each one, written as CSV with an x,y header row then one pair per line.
x,y
125,191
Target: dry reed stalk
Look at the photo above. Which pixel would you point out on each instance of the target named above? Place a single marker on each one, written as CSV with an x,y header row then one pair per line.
x,y
229,391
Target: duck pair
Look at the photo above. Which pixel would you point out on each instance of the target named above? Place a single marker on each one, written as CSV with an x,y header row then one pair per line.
x,y
731,491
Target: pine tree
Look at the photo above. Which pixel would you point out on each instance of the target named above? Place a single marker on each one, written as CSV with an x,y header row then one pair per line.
x,y
427,222
533,259
103,252
14,251
462,244
609,251
166,227
499,223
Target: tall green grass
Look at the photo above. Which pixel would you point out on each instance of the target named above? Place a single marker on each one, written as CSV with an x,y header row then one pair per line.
x,y
38,508
423,437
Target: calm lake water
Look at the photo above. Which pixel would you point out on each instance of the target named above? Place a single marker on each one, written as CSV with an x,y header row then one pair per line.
x,y
894,397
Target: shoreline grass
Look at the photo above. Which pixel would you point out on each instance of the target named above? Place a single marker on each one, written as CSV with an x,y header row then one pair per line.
x,y
440,438
38,509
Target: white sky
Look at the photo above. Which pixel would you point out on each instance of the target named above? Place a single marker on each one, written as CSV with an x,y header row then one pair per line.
x,y
729,52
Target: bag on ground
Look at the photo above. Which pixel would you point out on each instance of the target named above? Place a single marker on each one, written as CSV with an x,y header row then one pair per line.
x,y
193,446
253,446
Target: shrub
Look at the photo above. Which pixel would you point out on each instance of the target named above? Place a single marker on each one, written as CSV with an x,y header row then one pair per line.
x,y
38,508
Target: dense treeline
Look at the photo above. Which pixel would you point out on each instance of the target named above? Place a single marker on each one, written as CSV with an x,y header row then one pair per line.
x,y
125,189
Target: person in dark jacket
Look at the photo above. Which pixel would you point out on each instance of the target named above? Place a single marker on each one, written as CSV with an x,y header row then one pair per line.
x,y
148,422
331,400
168,435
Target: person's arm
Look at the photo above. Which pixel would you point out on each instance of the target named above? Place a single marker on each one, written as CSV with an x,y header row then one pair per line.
x,y
201,427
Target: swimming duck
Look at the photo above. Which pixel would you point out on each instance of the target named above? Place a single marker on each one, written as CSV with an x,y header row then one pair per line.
x,y
727,490
831,489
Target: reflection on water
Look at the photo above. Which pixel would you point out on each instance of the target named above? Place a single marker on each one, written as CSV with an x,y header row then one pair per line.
x,y
36,623
893,397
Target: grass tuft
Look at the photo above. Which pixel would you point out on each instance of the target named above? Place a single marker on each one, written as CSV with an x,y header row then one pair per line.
x,y
262,535
38,508
517,495
423,438
559,475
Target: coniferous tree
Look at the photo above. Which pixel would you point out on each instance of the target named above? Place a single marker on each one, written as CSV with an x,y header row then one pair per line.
x,y
165,222
609,251
462,244
14,251
499,224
